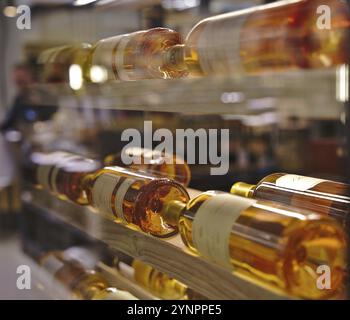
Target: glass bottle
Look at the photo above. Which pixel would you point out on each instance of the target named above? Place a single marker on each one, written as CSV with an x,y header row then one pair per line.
x,y
153,162
317,195
62,173
286,35
134,198
278,247
85,284
59,63
137,56
157,282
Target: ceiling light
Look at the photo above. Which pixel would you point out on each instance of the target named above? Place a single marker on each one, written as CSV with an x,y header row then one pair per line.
x,y
10,11
83,2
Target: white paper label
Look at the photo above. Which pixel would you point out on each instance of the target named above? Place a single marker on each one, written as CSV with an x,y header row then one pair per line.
x,y
110,53
119,58
102,193
300,183
219,45
104,55
212,225
119,197
56,169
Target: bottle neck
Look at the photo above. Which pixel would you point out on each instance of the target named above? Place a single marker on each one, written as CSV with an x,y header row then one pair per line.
x,y
172,212
243,189
174,58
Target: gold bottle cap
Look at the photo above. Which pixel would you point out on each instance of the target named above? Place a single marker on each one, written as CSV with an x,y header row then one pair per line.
x,y
243,189
172,211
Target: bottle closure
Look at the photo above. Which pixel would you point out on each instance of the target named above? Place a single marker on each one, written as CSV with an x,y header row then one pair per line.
x,y
174,58
243,189
172,211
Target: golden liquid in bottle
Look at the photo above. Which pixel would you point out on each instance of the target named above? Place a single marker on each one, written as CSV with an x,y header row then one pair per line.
x,y
40,168
58,61
70,176
84,284
158,282
281,36
136,56
322,196
135,198
279,248
153,162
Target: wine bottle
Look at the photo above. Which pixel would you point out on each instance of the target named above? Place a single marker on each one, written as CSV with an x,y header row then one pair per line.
x,y
152,161
57,62
317,195
281,36
62,173
278,247
136,56
153,280
134,198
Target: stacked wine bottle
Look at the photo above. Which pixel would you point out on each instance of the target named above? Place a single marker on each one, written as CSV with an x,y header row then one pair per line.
x,y
275,241
276,37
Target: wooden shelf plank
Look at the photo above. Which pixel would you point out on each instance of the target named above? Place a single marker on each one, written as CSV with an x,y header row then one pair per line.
x,y
169,256
306,94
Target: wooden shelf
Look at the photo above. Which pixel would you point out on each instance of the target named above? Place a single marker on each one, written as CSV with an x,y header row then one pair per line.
x,y
305,94
169,256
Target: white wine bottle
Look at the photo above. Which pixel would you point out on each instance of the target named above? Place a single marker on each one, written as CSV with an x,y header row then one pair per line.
x,y
137,56
272,245
318,195
285,35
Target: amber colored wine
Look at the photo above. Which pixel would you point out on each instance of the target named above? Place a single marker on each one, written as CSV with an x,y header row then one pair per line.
x,y
134,198
158,282
84,283
57,62
272,245
62,173
136,56
285,35
152,161
317,195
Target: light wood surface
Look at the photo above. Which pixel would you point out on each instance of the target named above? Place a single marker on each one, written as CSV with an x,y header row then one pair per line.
x,y
167,255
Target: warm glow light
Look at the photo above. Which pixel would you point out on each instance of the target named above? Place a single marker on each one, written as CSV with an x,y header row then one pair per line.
x,y
343,83
98,74
75,77
83,2
10,11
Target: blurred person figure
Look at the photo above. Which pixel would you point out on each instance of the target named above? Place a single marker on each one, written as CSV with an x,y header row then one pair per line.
x,y
25,109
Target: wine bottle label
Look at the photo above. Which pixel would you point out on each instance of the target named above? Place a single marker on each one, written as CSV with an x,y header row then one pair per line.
x,y
118,58
44,170
110,54
120,196
218,45
104,55
212,225
56,169
300,183
102,193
